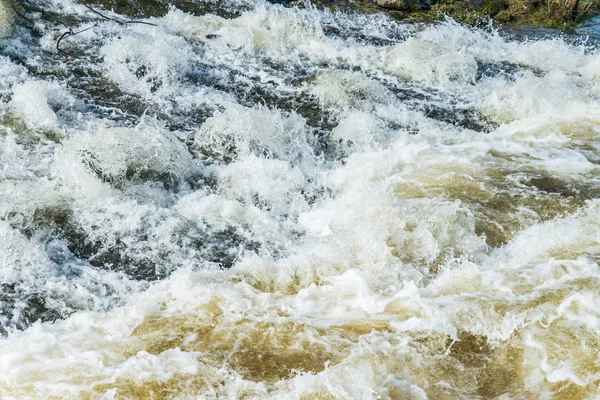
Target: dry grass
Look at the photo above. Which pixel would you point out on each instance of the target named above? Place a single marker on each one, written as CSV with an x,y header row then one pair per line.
x,y
568,10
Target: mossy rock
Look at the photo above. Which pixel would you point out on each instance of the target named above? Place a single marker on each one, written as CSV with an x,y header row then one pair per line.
x,y
7,16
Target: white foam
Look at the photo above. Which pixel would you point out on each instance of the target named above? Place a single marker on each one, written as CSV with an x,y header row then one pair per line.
x,y
31,102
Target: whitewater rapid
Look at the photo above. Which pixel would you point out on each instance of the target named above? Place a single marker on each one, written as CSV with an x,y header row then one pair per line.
x,y
303,204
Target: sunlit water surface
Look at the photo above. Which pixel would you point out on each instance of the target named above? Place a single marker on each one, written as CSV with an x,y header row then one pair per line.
x,y
306,204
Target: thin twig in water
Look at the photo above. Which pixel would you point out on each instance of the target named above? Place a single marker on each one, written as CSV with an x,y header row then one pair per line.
x,y
139,22
68,34
102,15
115,20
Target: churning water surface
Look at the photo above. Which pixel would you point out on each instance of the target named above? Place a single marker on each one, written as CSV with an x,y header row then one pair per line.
x,y
302,204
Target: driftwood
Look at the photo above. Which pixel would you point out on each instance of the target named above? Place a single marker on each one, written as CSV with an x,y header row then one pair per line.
x,y
116,20
71,33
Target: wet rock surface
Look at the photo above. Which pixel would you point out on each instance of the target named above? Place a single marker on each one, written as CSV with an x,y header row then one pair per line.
x,y
406,5
7,15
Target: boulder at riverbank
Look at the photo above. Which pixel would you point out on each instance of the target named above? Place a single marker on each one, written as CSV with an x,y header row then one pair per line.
x,y
6,18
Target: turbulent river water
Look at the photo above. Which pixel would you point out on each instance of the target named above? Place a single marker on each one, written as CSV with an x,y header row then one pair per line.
x,y
303,204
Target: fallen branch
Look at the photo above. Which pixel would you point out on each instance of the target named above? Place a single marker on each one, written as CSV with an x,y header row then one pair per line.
x,y
70,33
115,20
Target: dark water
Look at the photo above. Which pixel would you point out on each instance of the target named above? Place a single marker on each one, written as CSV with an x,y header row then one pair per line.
x,y
591,28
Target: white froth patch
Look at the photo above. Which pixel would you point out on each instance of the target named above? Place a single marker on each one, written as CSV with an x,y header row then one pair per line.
x,y
147,62
270,183
345,89
380,233
530,97
191,26
549,55
280,28
220,213
27,268
120,156
360,131
266,27
572,235
289,35
10,74
440,57
20,259
591,70
35,102
240,132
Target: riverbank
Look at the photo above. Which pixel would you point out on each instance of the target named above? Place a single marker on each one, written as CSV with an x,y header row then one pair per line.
x,y
540,13
564,14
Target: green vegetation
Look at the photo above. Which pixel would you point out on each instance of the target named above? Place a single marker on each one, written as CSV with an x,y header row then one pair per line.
x,y
564,14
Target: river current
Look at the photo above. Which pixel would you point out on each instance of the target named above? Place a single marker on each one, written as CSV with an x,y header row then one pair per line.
x,y
248,200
